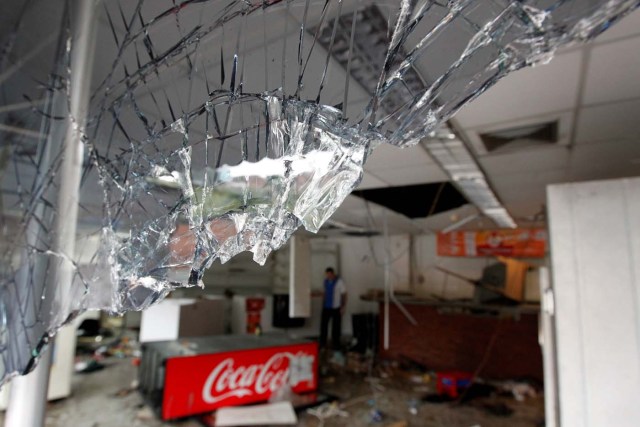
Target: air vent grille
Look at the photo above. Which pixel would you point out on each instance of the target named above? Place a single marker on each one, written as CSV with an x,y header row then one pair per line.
x,y
521,137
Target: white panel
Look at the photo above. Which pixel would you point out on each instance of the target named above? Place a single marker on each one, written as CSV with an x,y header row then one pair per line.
x,y
300,277
595,241
613,72
528,92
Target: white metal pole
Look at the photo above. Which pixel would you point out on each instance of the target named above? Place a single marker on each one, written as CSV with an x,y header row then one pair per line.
x,y
387,280
547,340
29,393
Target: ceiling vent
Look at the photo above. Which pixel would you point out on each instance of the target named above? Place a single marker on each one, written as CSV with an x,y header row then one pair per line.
x,y
521,137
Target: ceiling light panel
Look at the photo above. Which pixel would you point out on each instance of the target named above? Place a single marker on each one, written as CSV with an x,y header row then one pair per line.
x,y
458,162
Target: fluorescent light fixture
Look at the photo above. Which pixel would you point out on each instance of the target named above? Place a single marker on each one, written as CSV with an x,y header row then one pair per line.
x,y
456,160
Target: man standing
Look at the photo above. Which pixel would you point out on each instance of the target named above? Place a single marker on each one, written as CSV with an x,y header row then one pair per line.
x,y
334,304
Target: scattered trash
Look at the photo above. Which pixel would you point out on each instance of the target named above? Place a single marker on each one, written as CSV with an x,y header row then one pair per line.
x,y
88,366
145,414
126,391
452,383
123,392
358,363
358,399
375,384
413,406
376,415
329,380
519,390
326,411
338,359
416,379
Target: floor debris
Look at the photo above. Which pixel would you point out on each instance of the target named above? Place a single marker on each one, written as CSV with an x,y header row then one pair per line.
x,y
101,398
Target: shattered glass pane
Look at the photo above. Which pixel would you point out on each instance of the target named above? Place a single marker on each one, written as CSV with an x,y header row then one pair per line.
x,y
199,129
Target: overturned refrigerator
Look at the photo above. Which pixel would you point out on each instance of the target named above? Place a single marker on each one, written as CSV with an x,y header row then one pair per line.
x,y
198,375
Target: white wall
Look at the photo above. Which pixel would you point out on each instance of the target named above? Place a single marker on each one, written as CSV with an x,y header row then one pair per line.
x,y
428,280
362,267
359,260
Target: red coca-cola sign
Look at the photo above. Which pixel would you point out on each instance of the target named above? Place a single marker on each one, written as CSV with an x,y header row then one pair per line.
x,y
196,384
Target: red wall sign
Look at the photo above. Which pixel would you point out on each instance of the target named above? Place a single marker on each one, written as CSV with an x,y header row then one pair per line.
x,y
521,242
197,384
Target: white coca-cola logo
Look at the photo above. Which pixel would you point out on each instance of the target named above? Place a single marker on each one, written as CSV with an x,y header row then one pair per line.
x,y
228,380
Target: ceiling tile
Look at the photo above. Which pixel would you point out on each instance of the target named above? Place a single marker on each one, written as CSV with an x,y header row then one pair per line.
x,y
608,82
531,160
527,92
609,122
628,26
524,194
605,160
521,186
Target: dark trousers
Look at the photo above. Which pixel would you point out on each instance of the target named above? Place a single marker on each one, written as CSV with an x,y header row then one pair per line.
x,y
333,315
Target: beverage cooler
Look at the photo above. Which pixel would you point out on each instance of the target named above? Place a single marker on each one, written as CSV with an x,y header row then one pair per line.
x,y
197,375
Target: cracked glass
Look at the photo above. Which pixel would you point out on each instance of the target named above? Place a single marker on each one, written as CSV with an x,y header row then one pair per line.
x,y
142,140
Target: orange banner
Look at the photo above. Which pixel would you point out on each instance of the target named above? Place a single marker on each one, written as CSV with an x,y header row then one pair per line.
x,y
519,243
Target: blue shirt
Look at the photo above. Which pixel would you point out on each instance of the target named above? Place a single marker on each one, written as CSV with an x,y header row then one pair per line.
x,y
333,290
